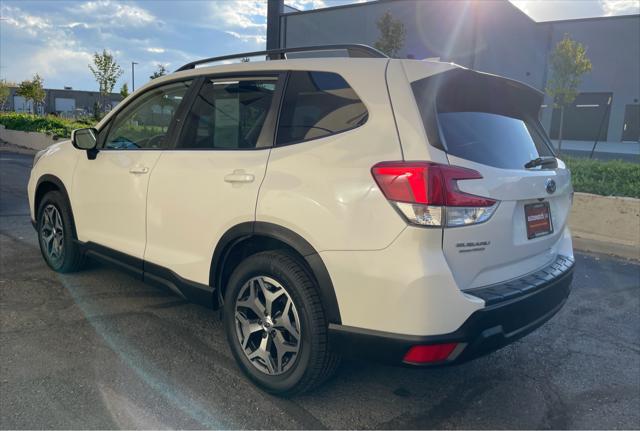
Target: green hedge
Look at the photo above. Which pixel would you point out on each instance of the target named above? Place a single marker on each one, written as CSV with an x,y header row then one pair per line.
x,y
49,124
608,178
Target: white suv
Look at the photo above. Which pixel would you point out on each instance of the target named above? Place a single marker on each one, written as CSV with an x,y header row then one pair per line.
x,y
407,211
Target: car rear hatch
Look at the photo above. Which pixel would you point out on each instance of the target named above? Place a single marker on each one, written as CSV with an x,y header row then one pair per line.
x,y
489,125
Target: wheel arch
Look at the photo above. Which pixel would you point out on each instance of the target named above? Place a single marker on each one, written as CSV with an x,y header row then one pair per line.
x,y
249,238
47,183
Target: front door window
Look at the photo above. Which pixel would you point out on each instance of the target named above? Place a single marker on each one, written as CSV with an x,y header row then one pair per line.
x,y
145,123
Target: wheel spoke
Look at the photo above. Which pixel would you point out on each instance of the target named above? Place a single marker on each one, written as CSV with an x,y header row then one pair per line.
x,y
47,238
58,244
57,221
269,295
282,348
252,302
50,249
46,219
247,327
263,353
284,321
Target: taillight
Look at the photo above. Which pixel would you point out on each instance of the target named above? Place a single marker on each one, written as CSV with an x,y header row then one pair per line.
x,y
424,354
427,193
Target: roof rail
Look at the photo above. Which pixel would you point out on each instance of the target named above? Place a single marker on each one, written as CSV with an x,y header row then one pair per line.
x,y
354,50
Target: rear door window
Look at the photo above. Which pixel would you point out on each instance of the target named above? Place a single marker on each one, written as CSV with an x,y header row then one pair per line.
x,y
318,104
491,139
230,114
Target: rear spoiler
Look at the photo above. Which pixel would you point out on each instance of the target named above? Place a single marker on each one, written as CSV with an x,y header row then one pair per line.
x,y
465,90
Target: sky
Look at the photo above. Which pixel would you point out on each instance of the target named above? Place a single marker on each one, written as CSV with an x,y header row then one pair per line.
x,y
57,38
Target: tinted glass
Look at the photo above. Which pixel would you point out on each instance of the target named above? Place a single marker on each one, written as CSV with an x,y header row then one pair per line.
x,y
145,122
229,114
318,104
491,139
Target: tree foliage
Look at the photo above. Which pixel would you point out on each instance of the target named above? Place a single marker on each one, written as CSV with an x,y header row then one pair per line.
x,y
32,90
106,72
124,90
568,63
392,35
4,93
160,71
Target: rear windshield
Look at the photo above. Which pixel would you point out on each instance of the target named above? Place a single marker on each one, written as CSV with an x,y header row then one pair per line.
x,y
482,118
491,139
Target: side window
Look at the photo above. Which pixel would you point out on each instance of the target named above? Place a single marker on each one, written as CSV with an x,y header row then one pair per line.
x,y
318,104
229,114
145,122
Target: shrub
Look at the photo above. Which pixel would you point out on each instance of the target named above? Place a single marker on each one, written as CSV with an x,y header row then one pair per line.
x,y
49,124
608,178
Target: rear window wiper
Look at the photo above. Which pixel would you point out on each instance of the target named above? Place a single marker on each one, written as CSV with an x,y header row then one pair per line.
x,y
542,161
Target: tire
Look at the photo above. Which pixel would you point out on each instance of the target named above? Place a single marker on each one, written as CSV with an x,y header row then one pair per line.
x,y
56,234
296,307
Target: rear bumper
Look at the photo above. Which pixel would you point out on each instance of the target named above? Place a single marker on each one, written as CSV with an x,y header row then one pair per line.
x,y
513,310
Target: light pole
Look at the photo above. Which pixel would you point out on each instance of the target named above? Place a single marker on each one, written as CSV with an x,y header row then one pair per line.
x,y
133,76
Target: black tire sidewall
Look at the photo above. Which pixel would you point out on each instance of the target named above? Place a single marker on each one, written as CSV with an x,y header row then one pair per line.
x,y
260,265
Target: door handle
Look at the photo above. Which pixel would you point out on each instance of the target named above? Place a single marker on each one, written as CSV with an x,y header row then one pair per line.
x,y
239,176
139,170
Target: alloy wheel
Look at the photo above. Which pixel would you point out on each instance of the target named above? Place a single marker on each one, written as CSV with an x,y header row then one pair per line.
x,y
267,325
52,233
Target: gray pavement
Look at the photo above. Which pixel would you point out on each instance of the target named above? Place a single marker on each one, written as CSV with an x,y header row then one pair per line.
x,y
98,349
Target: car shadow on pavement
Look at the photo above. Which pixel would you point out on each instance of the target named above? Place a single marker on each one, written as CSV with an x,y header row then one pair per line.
x,y
99,349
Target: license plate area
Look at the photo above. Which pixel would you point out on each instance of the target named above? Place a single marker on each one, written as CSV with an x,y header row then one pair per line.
x,y
538,219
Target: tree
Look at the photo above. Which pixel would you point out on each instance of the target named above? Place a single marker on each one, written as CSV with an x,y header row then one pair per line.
x,y
32,90
567,64
106,71
124,90
160,71
392,35
96,114
4,93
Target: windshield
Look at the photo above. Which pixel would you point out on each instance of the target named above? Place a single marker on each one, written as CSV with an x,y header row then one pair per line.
x,y
491,139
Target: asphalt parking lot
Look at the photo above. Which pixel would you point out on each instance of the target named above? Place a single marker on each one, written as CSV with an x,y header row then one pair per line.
x,y
98,349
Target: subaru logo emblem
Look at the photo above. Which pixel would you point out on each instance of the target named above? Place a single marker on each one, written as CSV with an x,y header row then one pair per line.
x,y
550,185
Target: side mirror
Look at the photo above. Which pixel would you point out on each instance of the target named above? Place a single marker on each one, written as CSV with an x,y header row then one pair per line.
x,y
86,139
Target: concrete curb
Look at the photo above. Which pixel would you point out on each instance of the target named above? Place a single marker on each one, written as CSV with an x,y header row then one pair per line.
x,y
608,248
31,140
11,148
606,224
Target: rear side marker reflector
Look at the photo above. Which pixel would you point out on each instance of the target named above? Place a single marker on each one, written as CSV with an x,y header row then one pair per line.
x,y
427,193
429,353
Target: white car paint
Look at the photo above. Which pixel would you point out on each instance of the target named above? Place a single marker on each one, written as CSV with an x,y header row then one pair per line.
x,y
109,197
387,276
182,232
